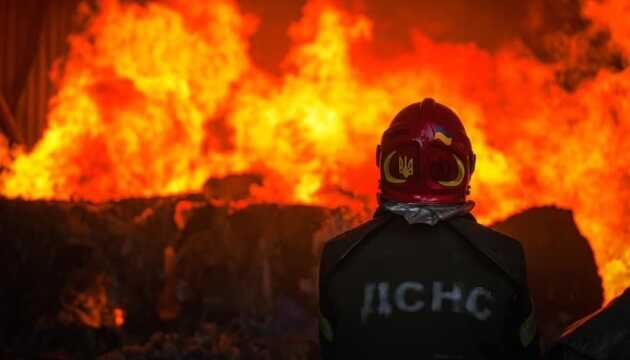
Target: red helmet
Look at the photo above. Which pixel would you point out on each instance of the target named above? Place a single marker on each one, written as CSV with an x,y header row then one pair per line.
x,y
425,156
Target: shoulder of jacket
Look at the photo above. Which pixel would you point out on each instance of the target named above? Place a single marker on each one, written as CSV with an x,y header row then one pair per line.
x,y
342,242
499,241
338,247
503,250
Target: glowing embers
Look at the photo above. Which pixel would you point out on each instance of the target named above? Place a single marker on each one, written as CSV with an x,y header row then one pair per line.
x,y
84,301
119,317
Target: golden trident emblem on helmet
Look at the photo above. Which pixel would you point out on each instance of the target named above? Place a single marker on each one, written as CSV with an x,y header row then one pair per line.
x,y
405,168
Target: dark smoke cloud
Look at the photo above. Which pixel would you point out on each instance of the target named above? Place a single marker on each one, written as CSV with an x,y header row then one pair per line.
x,y
271,42
558,33
555,31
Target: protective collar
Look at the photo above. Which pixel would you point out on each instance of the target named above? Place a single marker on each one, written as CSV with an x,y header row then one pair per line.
x,y
426,214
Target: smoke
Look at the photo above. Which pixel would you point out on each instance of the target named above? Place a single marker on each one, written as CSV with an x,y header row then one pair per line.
x,y
556,32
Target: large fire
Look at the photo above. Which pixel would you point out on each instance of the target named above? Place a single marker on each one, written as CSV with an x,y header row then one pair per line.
x,y
155,99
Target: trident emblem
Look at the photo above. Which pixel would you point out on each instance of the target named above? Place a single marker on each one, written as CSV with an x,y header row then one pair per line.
x,y
405,166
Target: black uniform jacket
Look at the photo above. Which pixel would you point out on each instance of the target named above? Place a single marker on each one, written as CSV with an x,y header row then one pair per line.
x,y
456,290
604,335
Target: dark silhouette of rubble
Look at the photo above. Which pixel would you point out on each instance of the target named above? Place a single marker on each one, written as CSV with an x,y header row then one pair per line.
x,y
186,273
563,276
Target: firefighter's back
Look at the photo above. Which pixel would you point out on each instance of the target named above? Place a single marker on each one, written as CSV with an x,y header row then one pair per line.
x,y
419,290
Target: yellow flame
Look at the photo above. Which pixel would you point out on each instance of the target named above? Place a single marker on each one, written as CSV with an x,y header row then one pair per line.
x,y
154,99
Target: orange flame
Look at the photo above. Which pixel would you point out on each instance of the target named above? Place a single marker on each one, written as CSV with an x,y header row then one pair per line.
x,y
155,99
119,317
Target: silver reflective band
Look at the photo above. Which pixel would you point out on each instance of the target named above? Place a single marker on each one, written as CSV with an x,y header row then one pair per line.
x,y
326,329
528,329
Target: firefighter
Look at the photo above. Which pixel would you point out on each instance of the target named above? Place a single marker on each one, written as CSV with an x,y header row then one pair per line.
x,y
423,279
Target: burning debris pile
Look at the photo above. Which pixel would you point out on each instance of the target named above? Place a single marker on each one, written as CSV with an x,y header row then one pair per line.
x,y
236,341
93,272
87,278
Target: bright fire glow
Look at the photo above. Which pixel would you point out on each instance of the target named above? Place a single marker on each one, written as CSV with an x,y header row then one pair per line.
x,y
155,99
119,317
